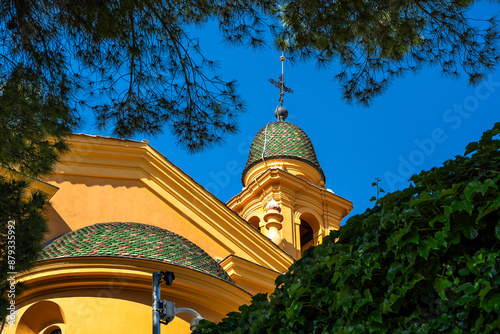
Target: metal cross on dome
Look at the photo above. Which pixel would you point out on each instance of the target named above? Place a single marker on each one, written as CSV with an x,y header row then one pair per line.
x,y
281,82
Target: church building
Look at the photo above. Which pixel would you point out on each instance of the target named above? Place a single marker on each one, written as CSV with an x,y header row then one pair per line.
x,y
120,211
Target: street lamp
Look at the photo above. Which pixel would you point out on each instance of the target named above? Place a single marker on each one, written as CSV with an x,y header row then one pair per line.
x,y
164,311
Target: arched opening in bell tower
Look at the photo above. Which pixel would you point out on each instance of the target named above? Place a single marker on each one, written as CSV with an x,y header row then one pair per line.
x,y
309,231
306,235
255,222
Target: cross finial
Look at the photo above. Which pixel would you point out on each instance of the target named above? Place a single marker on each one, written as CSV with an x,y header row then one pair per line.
x,y
281,82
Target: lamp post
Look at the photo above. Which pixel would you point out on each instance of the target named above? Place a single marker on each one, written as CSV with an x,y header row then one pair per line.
x,y
164,311
157,307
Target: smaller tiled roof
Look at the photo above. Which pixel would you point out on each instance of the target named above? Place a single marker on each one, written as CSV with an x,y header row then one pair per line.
x,y
133,240
279,140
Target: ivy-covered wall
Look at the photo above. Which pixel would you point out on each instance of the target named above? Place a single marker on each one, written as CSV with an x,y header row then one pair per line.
x,y
423,260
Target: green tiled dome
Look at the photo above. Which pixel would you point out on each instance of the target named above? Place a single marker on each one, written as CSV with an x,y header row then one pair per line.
x,y
279,140
133,240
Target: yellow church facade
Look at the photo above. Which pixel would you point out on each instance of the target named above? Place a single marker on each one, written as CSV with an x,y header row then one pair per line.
x,y
119,211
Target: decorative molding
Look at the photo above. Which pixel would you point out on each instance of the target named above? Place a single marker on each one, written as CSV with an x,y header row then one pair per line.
x,y
249,275
297,196
54,276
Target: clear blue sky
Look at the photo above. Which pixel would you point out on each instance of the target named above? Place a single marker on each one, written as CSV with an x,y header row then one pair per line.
x,y
421,121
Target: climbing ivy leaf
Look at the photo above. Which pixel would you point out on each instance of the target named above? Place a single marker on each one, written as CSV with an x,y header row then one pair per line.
x,y
425,259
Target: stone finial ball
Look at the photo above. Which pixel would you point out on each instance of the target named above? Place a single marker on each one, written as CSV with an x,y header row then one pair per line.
x,y
281,114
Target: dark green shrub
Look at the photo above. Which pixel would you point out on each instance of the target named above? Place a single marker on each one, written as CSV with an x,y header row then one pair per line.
x,y
423,260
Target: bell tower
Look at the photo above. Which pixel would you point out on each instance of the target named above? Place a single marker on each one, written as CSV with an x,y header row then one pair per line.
x,y
284,194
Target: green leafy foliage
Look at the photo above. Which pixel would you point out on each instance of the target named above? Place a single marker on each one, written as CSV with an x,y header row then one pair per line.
x,y
33,128
33,125
378,41
25,209
137,67
424,260
379,190
132,64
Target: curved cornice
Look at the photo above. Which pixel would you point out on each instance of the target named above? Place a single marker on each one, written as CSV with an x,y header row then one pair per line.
x,y
296,188
115,274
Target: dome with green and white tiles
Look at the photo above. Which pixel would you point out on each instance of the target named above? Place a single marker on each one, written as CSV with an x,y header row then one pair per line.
x,y
133,240
282,140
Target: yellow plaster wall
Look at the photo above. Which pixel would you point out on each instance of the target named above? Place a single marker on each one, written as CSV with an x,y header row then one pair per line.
x,y
89,311
288,232
108,183
106,179
82,201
